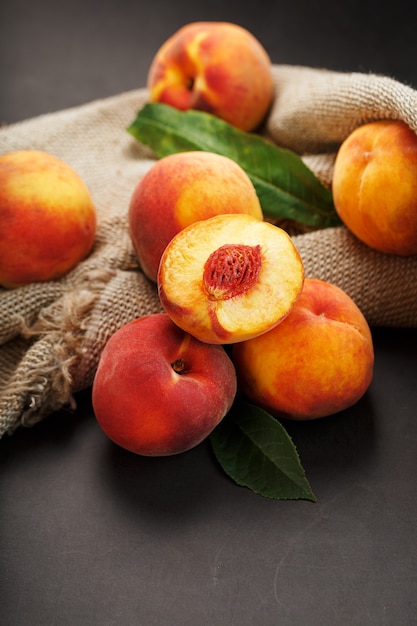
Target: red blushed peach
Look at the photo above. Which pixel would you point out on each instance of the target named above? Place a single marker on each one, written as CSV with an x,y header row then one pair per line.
x,y
47,218
229,278
316,362
216,67
181,189
159,391
375,186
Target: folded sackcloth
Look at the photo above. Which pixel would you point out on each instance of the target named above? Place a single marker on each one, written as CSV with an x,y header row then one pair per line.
x,y
52,334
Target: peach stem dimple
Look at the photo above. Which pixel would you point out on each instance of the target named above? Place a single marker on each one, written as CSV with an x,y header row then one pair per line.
x,y
231,270
190,83
178,366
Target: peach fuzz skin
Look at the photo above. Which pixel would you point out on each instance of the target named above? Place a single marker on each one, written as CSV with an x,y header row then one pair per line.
x,y
47,218
217,67
181,189
157,390
316,362
375,186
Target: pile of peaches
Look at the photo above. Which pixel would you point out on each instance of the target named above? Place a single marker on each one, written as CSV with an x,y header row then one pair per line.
x,y
240,315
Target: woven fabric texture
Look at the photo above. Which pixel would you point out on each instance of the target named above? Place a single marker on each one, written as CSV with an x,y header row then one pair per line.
x,y
52,334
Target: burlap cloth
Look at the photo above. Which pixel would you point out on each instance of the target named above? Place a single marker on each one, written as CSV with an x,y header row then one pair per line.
x,y
52,334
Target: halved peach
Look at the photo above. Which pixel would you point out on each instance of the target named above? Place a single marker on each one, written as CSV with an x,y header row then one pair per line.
x,y
229,278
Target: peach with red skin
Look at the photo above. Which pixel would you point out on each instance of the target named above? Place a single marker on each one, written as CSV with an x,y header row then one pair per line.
x,y
181,189
316,362
375,186
47,218
229,278
217,67
158,391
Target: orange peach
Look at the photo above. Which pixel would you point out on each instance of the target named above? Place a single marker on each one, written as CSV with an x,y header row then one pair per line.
x,y
229,278
216,67
47,218
181,189
159,391
316,362
375,186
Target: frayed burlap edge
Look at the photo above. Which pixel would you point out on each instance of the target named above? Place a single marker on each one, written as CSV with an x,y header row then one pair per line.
x,y
50,360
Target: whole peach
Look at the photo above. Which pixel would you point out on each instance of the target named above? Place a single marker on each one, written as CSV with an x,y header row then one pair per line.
x,y
375,186
159,391
216,67
47,218
316,362
181,189
229,278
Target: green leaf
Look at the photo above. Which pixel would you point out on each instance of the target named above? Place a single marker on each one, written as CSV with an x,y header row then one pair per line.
x,y
255,450
286,187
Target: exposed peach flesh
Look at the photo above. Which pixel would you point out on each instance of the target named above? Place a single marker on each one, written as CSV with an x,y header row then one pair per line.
x,y
220,297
